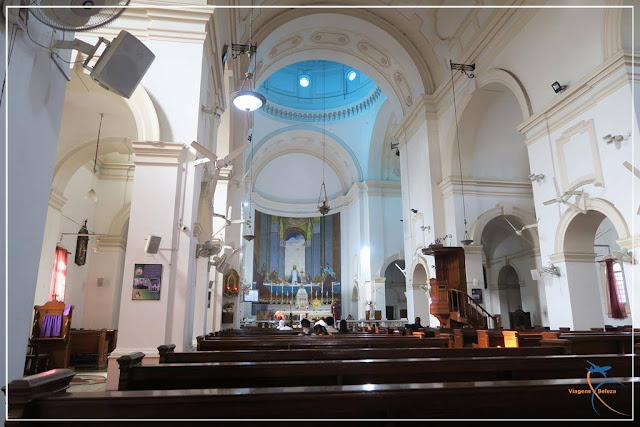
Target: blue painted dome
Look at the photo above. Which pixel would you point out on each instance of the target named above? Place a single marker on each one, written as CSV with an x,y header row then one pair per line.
x,y
317,85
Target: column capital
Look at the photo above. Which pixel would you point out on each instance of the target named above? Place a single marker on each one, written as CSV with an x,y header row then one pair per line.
x,y
473,250
158,153
56,200
572,257
629,243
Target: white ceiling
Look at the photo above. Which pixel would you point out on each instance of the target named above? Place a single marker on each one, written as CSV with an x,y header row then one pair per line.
x,y
296,178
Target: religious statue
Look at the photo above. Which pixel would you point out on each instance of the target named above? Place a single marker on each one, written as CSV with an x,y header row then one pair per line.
x,y
294,277
302,298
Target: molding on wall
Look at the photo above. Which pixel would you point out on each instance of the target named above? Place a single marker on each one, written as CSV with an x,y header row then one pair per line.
x,y
158,153
423,109
604,80
486,187
629,243
56,200
573,257
112,241
581,127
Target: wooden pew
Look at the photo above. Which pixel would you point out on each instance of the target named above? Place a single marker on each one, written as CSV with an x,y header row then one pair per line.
x,y
45,398
590,343
167,354
135,376
89,344
324,342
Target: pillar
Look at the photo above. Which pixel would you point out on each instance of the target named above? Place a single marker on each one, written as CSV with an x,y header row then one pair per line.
x,y
574,299
155,209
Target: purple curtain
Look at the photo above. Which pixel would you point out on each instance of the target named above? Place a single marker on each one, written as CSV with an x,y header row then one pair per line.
x,y
52,323
617,309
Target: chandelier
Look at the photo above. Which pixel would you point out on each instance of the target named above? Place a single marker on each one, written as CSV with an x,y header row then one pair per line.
x,y
323,200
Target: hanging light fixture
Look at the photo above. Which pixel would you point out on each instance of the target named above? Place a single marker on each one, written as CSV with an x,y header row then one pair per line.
x,y
250,236
466,69
91,194
323,200
247,99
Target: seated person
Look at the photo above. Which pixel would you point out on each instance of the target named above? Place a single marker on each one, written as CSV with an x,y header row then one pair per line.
x,y
320,322
306,327
283,327
416,326
320,330
344,329
330,328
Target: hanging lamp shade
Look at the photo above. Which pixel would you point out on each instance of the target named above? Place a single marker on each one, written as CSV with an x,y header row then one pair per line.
x,y
248,100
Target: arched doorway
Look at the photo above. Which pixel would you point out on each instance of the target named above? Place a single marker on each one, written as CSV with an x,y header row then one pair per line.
x,y
417,297
395,287
509,292
589,240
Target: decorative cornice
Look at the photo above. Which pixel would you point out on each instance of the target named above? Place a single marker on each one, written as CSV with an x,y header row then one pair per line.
x,y
112,242
56,200
473,249
629,243
148,22
158,153
605,79
485,187
346,113
572,257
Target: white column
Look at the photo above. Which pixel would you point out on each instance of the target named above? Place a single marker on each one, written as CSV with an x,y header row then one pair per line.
x,y
155,208
103,289
201,291
573,299
379,295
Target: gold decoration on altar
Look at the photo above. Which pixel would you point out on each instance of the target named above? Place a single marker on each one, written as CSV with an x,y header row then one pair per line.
x,y
316,303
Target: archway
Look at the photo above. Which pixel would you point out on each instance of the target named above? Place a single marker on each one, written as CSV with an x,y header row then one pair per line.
x,y
588,240
395,286
509,291
418,300
506,254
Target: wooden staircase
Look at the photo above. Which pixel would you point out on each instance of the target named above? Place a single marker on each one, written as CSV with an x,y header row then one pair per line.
x,y
464,311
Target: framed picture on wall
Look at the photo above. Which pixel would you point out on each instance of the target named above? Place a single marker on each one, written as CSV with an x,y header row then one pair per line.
x,y
147,280
476,295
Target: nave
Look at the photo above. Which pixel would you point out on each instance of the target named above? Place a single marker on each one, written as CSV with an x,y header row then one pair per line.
x,y
277,210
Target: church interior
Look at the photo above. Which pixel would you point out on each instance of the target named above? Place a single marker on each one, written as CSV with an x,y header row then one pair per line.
x,y
231,209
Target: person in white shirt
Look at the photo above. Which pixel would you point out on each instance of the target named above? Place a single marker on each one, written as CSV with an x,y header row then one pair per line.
x,y
330,328
283,327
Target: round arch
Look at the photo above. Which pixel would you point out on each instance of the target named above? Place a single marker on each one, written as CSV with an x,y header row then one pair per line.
x,y
419,272
273,23
379,56
604,207
493,76
387,262
501,209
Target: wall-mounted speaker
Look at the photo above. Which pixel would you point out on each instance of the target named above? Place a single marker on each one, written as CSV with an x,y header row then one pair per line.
x,y
153,244
122,65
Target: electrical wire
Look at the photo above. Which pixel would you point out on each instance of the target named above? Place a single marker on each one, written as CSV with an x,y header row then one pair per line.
x,y
455,109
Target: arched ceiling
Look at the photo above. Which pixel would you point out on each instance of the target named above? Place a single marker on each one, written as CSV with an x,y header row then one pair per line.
x,y
338,160
330,85
430,36
499,238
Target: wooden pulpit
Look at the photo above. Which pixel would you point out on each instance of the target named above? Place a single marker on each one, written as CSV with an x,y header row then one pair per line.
x,y
56,345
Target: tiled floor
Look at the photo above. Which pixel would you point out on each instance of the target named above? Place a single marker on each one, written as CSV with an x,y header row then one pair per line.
x,y
87,380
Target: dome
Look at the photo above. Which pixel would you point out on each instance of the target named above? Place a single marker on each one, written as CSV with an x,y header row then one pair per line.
x,y
317,85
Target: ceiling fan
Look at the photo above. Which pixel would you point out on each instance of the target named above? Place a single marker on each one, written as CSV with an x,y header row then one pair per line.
x,y
218,163
519,232
620,256
634,171
563,198
220,263
207,249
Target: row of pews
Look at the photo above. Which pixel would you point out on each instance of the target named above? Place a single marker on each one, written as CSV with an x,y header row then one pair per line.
x,y
256,375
